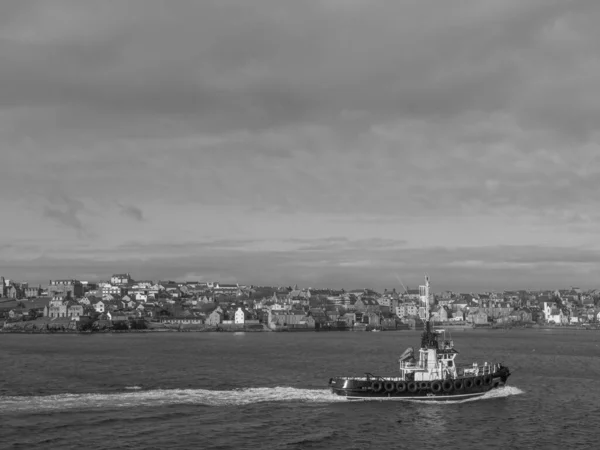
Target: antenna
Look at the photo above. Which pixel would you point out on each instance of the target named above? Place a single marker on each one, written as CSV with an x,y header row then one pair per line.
x,y
402,284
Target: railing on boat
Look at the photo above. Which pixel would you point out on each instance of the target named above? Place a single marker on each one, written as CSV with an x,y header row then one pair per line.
x,y
472,370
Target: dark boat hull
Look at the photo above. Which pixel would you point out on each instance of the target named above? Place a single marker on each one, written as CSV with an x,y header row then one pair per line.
x,y
379,388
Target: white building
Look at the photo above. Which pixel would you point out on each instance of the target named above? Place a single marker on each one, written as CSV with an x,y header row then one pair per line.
x,y
240,316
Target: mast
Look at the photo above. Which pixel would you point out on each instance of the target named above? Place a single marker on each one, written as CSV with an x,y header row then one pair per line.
x,y
425,293
428,338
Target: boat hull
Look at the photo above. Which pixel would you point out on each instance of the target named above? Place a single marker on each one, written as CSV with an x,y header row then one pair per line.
x,y
380,388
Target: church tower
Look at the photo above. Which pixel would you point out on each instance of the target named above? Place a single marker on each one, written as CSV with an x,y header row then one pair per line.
x,y
2,287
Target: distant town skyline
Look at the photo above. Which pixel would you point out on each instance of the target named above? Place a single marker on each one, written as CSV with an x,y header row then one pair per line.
x,y
400,286
329,143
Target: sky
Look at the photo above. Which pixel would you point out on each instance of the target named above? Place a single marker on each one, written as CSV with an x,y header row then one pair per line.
x,y
325,143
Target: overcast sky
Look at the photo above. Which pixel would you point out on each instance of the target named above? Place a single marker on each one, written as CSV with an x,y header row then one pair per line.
x,y
341,143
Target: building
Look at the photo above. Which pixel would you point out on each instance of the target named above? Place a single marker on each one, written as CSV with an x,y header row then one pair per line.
x,y
12,291
32,292
215,317
240,316
56,308
121,278
66,288
75,311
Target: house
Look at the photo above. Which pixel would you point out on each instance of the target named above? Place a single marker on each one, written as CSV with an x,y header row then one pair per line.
x,y
477,318
99,306
215,317
290,318
521,315
548,306
439,314
57,307
12,291
75,311
127,303
458,305
319,317
240,316
366,304
121,278
372,319
555,316
575,318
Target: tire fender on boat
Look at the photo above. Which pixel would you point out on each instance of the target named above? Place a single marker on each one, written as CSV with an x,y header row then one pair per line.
x,y
468,383
458,385
376,386
423,385
389,386
412,387
487,379
436,386
400,386
478,381
447,385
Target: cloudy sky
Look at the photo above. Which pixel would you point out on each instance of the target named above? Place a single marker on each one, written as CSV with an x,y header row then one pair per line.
x,y
341,143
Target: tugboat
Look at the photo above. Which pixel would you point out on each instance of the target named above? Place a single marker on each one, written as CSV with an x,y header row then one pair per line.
x,y
434,376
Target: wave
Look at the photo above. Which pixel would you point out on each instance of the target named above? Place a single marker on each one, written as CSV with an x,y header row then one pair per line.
x,y
506,391
160,397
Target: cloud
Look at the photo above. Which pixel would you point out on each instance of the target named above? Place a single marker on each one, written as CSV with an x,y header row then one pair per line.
x,y
422,124
67,214
458,268
132,212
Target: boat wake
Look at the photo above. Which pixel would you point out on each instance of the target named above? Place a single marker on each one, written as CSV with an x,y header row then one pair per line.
x,y
506,391
502,392
135,397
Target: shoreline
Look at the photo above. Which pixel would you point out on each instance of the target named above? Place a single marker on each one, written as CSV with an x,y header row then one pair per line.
x,y
267,330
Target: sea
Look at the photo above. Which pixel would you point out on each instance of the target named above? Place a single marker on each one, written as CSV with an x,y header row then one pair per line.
x,y
269,391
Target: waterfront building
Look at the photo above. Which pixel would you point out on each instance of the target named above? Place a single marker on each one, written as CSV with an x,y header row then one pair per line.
x,y
240,316
215,317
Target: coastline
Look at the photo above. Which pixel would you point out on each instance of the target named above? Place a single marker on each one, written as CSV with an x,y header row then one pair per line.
x,y
538,328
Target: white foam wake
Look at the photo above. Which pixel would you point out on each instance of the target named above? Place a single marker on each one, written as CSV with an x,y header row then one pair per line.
x,y
200,397
166,397
506,391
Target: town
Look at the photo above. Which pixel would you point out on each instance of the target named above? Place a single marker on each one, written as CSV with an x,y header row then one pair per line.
x,y
123,304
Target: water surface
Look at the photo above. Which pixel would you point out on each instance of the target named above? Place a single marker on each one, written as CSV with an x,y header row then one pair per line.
x,y
268,390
